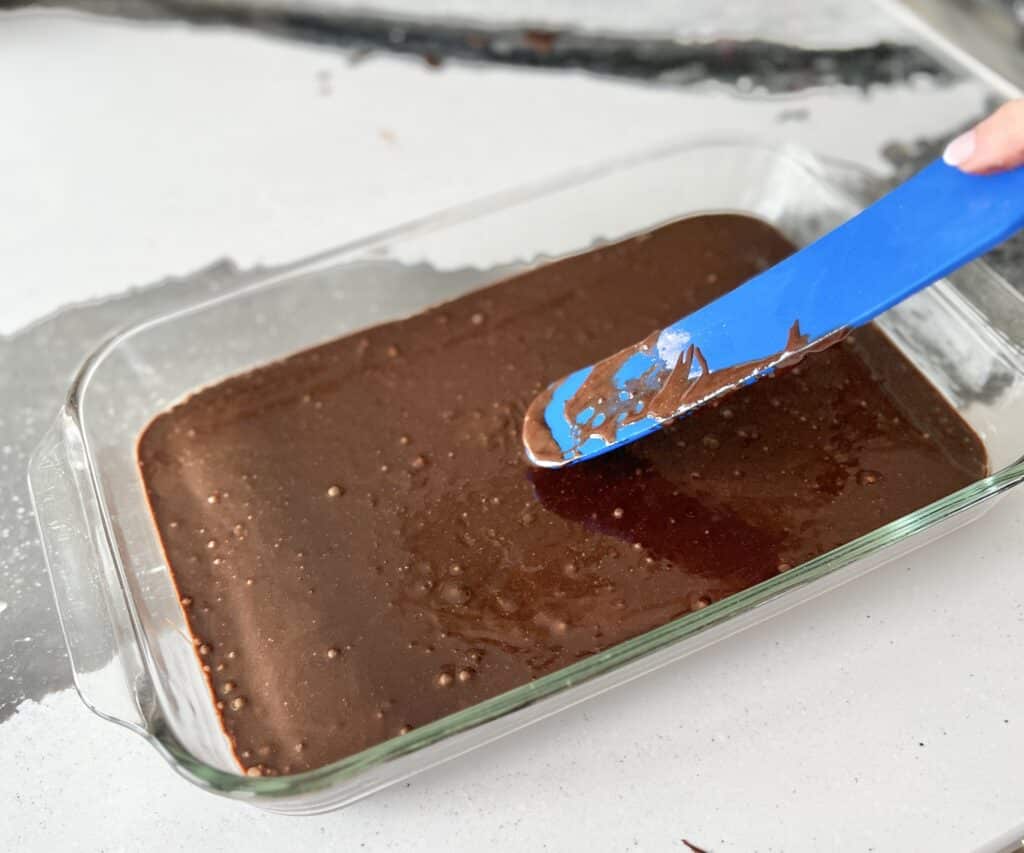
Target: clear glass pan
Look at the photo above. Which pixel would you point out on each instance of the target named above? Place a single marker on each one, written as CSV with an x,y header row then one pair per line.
x,y
127,638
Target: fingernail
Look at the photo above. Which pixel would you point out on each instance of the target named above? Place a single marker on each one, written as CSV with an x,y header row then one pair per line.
x,y
960,149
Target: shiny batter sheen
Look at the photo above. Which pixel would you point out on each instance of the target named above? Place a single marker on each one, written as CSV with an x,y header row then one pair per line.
x,y
360,546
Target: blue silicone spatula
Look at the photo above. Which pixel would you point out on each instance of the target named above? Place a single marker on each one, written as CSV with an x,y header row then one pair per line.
x,y
929,226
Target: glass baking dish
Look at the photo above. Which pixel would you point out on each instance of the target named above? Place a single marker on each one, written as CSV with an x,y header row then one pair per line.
x,y
129,645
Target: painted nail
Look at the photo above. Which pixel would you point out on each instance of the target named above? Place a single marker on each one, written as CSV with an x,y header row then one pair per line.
x,y
960,149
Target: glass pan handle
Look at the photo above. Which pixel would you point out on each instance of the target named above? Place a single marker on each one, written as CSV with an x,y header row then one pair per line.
x,y
105,657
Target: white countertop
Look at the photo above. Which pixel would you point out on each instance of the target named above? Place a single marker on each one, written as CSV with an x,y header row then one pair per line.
x,y
883,716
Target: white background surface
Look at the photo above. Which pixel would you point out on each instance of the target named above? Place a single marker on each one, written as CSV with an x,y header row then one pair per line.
x,y
885,716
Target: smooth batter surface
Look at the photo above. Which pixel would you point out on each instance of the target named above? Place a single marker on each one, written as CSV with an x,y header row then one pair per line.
x,y
361,547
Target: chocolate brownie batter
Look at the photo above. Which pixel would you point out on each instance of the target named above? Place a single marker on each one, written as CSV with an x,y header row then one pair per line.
x,y
361,548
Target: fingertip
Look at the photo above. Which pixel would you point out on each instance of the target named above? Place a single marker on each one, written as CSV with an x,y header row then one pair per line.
x,y
960,150
994,145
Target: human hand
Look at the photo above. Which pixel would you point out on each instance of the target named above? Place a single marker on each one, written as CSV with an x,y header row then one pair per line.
x,y
994,145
